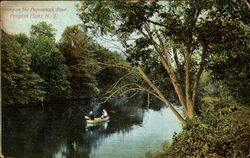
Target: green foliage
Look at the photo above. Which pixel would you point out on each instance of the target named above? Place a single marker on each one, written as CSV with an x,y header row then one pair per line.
x,y
42,28
217,136
232,70
213,28
217,132
107,76
22,39
82,55
47,61
79,53
19,84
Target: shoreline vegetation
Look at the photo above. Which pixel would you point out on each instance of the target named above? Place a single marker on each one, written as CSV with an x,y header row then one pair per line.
x,y
222,130
195,53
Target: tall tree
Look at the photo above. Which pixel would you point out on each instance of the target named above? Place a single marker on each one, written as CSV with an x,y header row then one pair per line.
x,y
47,61
42,28
181,34
78,49
82,55
19,84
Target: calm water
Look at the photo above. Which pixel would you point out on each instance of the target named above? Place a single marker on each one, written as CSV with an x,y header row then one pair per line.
x,y
60,131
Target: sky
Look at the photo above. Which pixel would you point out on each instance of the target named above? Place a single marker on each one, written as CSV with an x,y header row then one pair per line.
x,y
18,16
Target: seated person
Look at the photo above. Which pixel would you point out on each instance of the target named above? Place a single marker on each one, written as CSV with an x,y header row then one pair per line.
x,y
104,114
91,115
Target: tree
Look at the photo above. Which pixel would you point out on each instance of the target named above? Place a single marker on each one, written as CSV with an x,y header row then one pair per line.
x,y
82,55
78,51
42,28
181,35
22,39
232,70
19,84
47,61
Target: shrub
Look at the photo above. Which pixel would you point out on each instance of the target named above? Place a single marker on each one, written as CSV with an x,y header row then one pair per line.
x,y
211,135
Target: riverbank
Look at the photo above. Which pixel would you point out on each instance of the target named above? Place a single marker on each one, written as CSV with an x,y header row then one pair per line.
x,y
221,130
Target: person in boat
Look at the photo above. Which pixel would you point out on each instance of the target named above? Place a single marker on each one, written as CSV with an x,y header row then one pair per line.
x,y
104,114
91,115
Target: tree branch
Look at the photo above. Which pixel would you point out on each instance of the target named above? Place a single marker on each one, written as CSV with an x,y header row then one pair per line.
x,y
247,3
176,59
116,83
156,23
198,75
162,98
123,66
167,63
187,84
116,91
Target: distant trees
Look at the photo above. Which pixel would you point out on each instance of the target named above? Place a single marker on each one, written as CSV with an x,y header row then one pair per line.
x,y
82,55
19,84
78,51
36,68
47,61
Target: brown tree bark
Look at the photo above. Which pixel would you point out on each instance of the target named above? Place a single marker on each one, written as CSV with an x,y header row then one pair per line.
x,y
167,64
144,76
190,108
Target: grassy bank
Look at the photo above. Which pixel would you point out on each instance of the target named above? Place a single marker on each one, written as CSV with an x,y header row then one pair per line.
x,y
221,130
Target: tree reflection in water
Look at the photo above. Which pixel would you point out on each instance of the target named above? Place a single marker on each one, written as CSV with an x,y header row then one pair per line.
x,y
59,130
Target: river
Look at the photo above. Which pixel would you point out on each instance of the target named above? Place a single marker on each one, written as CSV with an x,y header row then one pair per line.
x,y
59,131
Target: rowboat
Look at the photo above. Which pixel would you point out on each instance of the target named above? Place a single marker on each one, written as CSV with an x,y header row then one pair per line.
x,y
98,120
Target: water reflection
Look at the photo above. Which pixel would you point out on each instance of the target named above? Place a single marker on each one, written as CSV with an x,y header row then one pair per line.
x,y
59,131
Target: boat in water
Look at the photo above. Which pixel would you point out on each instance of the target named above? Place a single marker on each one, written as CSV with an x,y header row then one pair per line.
x,y
98,120
91,120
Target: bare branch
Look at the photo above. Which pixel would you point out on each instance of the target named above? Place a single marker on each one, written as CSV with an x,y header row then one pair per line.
x,y
116,83
124,66
116,91
167,65
150,92
161,96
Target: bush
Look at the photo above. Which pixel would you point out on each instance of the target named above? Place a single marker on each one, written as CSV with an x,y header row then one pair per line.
x,y
209,135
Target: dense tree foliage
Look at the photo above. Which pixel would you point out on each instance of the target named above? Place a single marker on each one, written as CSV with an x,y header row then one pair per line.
x,y
232,70
47,61
19,84
22,39
181,36
70,68
83,58
78,51
42,28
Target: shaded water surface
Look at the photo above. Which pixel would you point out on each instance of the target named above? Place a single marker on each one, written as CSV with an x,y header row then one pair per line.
x,y
59,131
